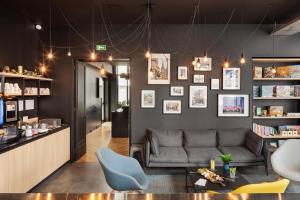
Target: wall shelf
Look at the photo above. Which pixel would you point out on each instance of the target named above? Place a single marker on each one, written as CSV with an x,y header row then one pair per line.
x,y
11,75
276,79
276,98
269,117
278,59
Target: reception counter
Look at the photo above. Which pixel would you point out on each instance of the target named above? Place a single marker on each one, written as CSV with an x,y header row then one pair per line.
x,y
25,163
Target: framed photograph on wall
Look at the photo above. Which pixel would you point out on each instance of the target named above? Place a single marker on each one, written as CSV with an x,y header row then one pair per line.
x,y
148,99
214,84
198,96
176,91
159,68
233,105
171,107
182,73
231,78
202,64
198,78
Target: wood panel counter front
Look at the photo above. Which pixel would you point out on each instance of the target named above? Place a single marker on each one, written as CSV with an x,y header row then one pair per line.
x,y
25,165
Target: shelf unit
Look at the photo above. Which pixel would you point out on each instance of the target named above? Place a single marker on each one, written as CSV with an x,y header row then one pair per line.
x,y
291,104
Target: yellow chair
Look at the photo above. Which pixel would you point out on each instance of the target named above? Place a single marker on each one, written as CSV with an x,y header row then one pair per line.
x,y
268,187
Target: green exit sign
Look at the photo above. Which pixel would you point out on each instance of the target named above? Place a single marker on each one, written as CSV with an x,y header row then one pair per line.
x,y
101,47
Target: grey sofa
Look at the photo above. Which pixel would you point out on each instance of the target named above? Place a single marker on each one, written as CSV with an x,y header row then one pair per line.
x,y
184,148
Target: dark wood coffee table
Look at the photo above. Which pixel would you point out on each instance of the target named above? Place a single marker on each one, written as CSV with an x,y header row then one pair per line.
x,y
230,184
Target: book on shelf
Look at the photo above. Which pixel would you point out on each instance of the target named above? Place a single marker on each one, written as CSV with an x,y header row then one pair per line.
x,y
289,130
294,71
256,91
268,72
264,130
268,91
293,114
258,72
283,72
297,90
275,111
284,91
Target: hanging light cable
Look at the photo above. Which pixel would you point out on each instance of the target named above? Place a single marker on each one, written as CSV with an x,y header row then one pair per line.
x,y
147,54
93,54
242,59
273,44
69,51
50,55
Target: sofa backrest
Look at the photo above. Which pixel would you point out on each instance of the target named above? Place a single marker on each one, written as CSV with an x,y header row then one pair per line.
x,y
167,138
200,138
232,137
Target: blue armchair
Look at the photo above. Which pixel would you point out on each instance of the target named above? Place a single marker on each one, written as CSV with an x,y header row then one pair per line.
x,y
121,173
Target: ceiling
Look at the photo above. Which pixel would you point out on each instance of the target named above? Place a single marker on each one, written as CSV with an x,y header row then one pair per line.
x,y
79,12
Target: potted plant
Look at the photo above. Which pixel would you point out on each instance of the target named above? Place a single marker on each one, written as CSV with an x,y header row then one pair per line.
x,y
226,158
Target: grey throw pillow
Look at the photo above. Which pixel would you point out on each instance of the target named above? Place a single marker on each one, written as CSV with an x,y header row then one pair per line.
x,y
154,145
254,143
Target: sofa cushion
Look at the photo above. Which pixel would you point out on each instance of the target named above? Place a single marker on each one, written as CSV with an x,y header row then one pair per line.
x,y
232,137
254,143
167,138
203,155
170,154
201,138
154,145
241,154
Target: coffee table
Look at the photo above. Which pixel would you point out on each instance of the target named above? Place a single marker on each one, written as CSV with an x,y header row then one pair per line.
x,y
230,184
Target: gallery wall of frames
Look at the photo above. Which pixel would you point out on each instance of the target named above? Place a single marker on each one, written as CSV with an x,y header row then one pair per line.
x,y
169,92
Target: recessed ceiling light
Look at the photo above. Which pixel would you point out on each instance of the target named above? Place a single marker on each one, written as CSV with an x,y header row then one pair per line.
x,y
38,27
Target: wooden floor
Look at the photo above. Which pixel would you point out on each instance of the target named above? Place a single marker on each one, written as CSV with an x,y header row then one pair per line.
x,y
101,137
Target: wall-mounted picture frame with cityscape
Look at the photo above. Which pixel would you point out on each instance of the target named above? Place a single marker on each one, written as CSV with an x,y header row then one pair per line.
x,y
159,68
198,96
171,106
233,105
231,78
148,99
202,64
198,78
176,91
214,84
182,73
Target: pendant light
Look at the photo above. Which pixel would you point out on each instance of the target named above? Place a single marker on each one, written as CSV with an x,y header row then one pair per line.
x,y
93,54
242,58
50,54
102,70
198,62
148,52
110,58
43,67
226,63
69,51
205,59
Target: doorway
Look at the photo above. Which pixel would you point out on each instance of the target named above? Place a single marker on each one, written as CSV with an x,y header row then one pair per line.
x,y
98,96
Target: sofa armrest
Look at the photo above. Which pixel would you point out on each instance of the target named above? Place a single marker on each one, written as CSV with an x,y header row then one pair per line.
x,y
147,152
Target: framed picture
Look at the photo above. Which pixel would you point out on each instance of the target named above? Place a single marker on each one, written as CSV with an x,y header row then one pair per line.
x,y
148,99
176,90
159,68
233,105
231,79
198,96
198,78
214,84
171,107
202,64
182,73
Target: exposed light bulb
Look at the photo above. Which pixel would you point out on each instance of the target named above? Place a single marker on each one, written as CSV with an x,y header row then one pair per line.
x,y
110,58
43,68
93,55
205,57
50,55
198,63
226,63
242,60
147,54
194,62
274,70
102,70
69,53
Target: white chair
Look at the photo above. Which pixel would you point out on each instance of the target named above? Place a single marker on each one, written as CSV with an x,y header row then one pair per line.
x,y
286,160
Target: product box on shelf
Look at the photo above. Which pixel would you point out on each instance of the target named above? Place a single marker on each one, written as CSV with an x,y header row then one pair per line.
x,y
268,72
283,72
257,72
295,71
285,91
276,111
268,91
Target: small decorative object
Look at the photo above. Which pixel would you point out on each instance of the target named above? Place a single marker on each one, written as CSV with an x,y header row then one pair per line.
x,y
198,78
257,72
212,165
211,176
198,96
171,107
232,172
233,105
148,99
215,84
202,64
44,91
231,78
226,158
20,69
268,72
176,91
6,69
182,73
275,111
159,69
13,71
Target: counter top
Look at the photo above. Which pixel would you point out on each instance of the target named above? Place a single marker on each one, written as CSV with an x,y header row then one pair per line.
x,y
25,140
128,196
